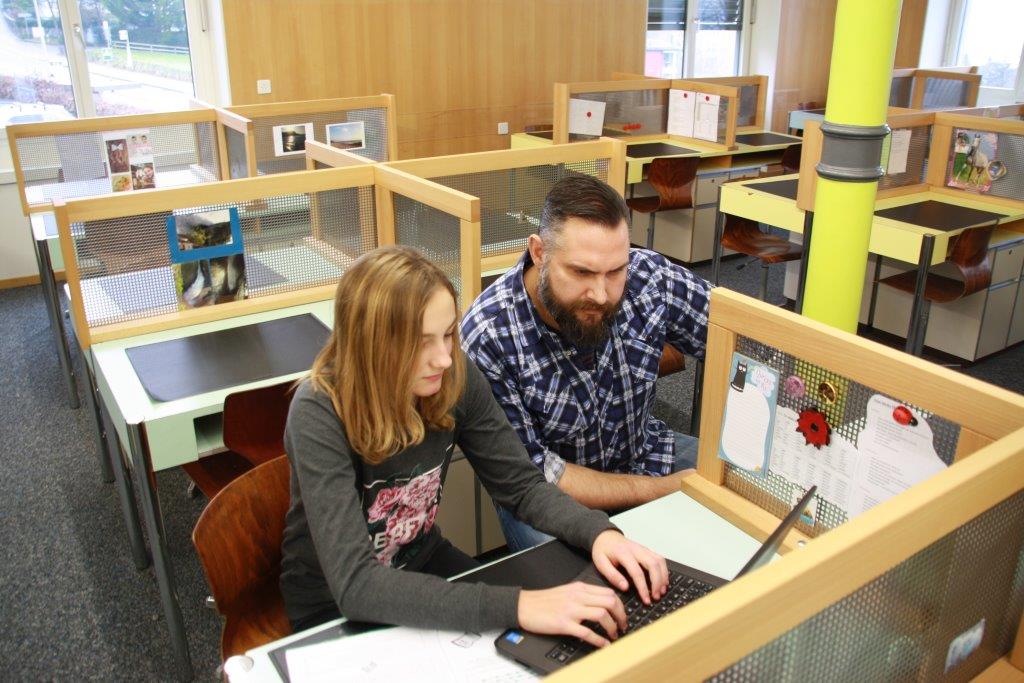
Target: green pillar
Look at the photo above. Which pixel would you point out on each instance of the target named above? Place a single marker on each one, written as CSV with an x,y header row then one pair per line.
x,y
858,98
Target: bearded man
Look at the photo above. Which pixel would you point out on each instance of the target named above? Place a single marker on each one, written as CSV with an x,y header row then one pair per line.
x,y
570,339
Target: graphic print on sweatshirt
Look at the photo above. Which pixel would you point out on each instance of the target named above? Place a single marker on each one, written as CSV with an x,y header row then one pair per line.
x,y
401,514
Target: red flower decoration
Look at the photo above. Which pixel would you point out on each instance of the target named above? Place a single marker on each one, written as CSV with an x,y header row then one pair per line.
x,y
813,426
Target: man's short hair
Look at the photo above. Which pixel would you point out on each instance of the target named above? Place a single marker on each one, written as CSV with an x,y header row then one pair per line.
x,y
581,196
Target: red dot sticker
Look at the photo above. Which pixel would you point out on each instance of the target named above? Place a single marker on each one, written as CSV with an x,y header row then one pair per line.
x,y
588,114
707,98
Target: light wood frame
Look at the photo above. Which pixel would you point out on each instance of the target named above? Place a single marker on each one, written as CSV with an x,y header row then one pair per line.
x,y
99,124
762,96
481,162
939,151
318,152
921,77
722,628
231,191
250,115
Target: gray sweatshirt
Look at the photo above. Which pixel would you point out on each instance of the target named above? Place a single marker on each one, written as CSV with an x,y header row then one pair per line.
x,y
349,549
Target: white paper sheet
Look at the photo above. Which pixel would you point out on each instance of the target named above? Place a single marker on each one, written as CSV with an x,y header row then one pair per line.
x,y
681,109
831,468
705,121
749,413
899,150
894,456
586,117
405,654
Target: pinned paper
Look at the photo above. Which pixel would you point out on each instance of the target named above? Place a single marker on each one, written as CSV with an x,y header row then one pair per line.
x,y
895,455
681,110
749,415
899,150
586,117
705,120
129,156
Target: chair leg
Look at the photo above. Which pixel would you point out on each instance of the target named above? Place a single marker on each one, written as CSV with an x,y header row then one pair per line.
x,y
650,230
764,281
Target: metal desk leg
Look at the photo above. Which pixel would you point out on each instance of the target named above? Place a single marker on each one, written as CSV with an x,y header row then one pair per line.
x,y
716,248
874,289
650,230
161,561
805,257
93,398
111,453
51,298
914,329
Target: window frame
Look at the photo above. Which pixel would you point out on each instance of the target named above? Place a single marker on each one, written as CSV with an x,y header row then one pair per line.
x,y
690,42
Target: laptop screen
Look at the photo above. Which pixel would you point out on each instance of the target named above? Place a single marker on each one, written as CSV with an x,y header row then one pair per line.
x,y
770,547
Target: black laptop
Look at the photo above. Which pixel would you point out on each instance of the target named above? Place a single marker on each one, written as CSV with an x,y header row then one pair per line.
x,y
686,584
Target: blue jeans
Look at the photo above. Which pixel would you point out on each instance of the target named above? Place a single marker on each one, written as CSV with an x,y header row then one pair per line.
x,y
520,535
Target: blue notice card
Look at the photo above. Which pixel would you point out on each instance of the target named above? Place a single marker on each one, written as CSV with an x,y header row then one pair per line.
x,y
204,235
749,418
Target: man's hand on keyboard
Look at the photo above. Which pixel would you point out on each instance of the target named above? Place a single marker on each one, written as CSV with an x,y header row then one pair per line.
x,y
613,552
563,609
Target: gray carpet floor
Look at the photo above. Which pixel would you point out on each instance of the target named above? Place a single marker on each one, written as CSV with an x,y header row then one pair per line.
x,y
73,604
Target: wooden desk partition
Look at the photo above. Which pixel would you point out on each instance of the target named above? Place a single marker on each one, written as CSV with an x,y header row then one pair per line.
x,y
942,89
511,186
299,231
256,126
62,160
879,597
643,102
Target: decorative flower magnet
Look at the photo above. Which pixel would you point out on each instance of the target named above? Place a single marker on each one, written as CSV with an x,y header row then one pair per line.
x,y
813,425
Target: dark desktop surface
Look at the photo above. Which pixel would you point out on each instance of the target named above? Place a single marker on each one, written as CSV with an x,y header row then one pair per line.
x,y
938,215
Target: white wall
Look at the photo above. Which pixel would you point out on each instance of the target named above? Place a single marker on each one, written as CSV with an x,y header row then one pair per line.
x,y
764,44
17,253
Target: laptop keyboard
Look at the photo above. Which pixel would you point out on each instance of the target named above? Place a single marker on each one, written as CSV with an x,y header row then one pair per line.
x,y
682,590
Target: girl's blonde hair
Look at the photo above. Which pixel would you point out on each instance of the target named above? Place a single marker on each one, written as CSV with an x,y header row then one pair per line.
x,y
367,366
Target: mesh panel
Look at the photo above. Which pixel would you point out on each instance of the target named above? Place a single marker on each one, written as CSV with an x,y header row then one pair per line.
x,y
434,232
238,162
649,108
899,91
73,165
290,242
748,106
374,128
845,416
1009,151
511,201
900,625
723,119
940,93
917,156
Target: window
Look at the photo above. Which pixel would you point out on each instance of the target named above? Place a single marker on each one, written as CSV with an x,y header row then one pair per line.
x,y
693,38
988,34
68,58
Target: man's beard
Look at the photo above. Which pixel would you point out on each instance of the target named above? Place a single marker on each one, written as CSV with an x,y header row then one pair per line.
x,y
575,331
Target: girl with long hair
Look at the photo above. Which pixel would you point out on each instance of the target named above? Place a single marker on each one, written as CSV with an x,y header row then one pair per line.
x,y
370,436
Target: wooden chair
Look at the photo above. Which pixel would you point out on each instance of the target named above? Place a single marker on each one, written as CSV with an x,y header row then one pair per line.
x,y
238,539
745,236
791,159
673,179
253,434
671,362
969,255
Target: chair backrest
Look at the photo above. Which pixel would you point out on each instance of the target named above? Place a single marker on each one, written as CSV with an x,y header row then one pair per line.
x,y
238,536
672,178
254,421
969,253
791,159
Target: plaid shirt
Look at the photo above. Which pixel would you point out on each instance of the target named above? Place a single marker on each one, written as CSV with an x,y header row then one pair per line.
x,y
569,406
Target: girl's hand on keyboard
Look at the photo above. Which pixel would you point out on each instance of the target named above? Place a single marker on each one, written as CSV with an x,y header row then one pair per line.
x,y
612,551
561,611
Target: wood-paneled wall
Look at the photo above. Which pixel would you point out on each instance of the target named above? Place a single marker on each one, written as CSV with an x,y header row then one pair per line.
x,y
805,51
456,67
